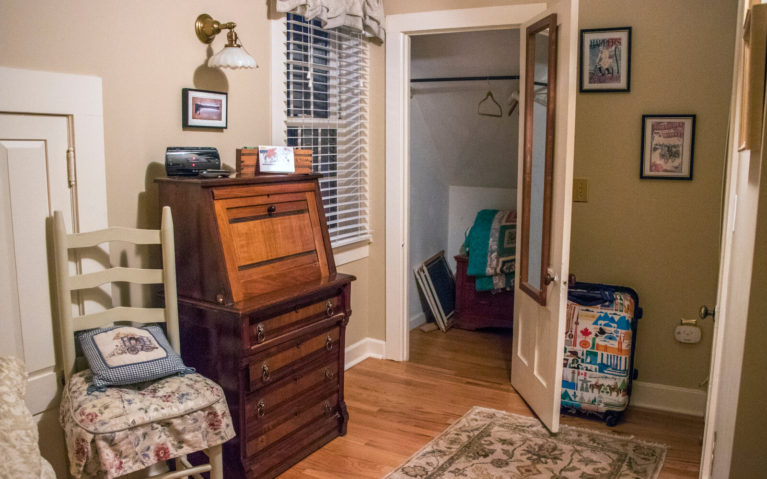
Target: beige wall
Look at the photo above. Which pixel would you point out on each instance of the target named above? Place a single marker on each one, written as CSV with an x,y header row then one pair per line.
x,y
660,237
146,52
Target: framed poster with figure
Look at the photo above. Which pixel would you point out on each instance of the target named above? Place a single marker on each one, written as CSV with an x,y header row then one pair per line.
x,y
605,60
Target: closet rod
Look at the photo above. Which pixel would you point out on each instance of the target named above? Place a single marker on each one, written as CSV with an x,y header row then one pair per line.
x,y
496,77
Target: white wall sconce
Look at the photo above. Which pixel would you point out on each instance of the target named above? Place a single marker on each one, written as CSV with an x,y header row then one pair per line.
x,y
233,55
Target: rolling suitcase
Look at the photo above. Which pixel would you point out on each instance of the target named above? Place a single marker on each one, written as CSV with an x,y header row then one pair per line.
x,y
598,365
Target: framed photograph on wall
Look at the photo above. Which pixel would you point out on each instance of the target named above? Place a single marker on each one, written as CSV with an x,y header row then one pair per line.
x,y
203,108
605,60
667,146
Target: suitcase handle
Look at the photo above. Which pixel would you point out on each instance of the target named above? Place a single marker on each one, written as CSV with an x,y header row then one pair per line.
x,y
591,297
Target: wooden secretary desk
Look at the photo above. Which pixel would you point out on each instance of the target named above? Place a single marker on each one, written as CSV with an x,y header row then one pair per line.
x,y
262,312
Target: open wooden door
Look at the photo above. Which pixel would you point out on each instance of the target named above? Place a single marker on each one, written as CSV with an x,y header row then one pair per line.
x,y
539,319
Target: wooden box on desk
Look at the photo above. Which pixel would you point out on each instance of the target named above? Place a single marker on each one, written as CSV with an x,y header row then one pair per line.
x,y
247,161
263,312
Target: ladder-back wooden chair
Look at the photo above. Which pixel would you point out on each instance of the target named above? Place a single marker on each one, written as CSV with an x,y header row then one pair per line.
x,y
112,431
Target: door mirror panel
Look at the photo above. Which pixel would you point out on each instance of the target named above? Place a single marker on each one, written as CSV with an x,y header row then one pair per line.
x,y
538,161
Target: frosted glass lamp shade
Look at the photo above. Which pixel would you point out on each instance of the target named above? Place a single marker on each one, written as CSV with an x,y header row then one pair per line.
x,y
232,57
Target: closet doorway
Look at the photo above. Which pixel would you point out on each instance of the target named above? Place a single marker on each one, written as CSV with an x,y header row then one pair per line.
x,y
461,162
464,128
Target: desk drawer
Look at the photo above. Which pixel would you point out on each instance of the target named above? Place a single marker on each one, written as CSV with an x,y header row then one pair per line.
x,y
286,358
262,406
274,460
262,331
261,436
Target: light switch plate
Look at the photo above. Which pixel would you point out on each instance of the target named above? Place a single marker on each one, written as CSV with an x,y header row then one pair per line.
x,y
580,190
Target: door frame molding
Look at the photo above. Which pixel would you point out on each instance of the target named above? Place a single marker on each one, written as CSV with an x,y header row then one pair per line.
x,y
399,29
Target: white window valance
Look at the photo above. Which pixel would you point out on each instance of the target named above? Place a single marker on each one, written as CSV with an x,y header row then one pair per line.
x,y
366,16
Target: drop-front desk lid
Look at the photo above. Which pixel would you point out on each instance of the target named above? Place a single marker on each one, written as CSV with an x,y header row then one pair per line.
x,y
242,237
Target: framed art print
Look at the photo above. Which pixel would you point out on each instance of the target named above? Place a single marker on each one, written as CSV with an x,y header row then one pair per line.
x,y
605,60
203,108
667,146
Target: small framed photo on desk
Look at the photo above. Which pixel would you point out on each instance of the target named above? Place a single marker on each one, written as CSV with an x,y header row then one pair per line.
x,y
276,159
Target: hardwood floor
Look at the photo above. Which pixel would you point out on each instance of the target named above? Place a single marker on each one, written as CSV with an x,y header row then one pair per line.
x,y
396,408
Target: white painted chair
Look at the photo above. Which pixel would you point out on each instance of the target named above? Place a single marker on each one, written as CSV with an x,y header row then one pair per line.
x,y
130,428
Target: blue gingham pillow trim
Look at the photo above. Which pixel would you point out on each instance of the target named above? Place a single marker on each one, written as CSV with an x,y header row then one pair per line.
x,y
163,362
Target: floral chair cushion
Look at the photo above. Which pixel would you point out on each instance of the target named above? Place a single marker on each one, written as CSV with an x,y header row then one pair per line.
x,y
128,428
19,452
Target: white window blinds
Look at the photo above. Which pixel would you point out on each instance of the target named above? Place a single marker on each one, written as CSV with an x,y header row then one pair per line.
x,y
325,84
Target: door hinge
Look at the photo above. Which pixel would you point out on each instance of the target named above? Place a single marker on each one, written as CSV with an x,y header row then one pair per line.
x,y
713,456
71,167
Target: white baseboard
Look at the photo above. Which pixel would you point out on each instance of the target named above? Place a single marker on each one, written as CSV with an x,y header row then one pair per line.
x,y
668,398
643,394
417,320
363,349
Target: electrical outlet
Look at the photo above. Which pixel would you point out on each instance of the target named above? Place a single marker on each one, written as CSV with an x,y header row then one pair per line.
x,y
580,190
687,334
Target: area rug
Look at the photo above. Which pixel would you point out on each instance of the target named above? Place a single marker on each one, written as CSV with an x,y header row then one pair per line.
x,y
490,444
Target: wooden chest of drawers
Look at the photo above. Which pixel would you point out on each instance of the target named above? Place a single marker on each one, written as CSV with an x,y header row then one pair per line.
x,y
263,312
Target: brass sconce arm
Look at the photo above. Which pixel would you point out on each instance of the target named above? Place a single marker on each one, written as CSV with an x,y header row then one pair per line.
x,y
207,28
233,55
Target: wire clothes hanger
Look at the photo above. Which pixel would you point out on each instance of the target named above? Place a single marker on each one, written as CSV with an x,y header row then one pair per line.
x,y
493,108
513,101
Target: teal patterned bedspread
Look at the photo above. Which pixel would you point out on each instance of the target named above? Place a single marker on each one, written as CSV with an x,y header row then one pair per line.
x,y
491,245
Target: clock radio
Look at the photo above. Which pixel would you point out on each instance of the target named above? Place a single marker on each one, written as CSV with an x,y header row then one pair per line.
x,y
190,160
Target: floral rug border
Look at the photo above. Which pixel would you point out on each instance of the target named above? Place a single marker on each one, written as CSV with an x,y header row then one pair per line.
x,y
662,448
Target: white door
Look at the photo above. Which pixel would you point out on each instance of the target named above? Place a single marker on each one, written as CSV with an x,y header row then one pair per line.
x,y
45,115
33,182
536,363
742,193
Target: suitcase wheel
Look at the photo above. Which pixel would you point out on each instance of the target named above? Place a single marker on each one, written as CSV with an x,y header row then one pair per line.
x,y
611,418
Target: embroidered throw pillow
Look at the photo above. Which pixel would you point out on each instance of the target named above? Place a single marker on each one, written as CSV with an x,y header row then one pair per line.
x,y
123,355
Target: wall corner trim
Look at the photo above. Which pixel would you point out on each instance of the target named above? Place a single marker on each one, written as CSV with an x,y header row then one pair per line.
x,y
416,320
668,398
363,349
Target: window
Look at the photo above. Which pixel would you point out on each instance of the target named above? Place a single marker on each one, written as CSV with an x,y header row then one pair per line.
x,y
324,79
